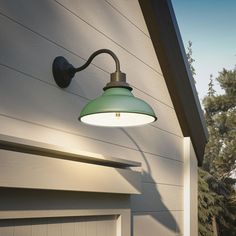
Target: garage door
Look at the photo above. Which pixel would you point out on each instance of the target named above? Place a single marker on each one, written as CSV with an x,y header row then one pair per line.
x,y
69,226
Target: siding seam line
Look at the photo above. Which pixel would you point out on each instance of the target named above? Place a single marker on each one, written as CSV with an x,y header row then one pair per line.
x,y
40,80
133,211
84,136
166,131
155,183
123,15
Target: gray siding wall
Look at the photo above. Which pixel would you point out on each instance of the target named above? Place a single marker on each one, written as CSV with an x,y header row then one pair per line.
x,y
33,33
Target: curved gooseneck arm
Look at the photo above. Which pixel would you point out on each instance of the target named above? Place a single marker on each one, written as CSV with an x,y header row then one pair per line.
x,y
63,71
88,62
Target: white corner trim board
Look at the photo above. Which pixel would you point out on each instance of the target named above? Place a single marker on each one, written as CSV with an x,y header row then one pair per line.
x,y
190,189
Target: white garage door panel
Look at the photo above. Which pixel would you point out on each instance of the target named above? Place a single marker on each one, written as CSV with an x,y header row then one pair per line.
x,y
82,226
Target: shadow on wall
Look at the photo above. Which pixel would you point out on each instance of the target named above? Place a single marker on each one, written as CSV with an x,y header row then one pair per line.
x,y
164,216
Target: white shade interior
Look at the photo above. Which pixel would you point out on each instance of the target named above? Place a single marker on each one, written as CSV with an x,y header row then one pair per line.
x,y
114,119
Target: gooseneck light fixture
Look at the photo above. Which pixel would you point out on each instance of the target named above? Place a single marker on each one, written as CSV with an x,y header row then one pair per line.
x,y
116,107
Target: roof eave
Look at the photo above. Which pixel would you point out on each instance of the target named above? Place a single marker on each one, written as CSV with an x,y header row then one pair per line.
x,y
163,29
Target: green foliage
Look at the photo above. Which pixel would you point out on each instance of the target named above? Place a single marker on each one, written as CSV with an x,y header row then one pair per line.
x,y
211,91
220,113
189,55
216,190
206,202
220,155
215,199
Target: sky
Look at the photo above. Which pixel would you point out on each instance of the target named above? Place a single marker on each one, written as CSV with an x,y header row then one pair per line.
x,y
211,26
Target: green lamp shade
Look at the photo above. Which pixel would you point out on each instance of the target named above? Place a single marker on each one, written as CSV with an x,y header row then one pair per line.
x,y
117,107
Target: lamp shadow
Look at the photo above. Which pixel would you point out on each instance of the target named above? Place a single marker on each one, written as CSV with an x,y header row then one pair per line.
x,y
163,215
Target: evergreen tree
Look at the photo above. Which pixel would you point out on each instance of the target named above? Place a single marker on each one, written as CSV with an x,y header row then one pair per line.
x,y
220,112
216,190
206,203
189,55
211,92
220,152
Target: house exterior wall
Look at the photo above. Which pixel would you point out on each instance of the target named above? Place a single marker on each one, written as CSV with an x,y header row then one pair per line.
x,y
33,33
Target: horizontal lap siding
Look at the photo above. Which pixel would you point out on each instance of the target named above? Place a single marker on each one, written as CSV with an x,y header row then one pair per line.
x,y
155,223
131,11
31,203
75,33
33,107
109,22
157,197
31,100
39,172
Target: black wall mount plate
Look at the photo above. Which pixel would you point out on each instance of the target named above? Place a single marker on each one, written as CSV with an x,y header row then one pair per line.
x,y
63,72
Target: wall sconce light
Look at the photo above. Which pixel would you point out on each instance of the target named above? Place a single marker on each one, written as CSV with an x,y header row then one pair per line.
x,y
117,106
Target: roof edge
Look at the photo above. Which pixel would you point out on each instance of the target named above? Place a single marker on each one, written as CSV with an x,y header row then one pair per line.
x,y
165,35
